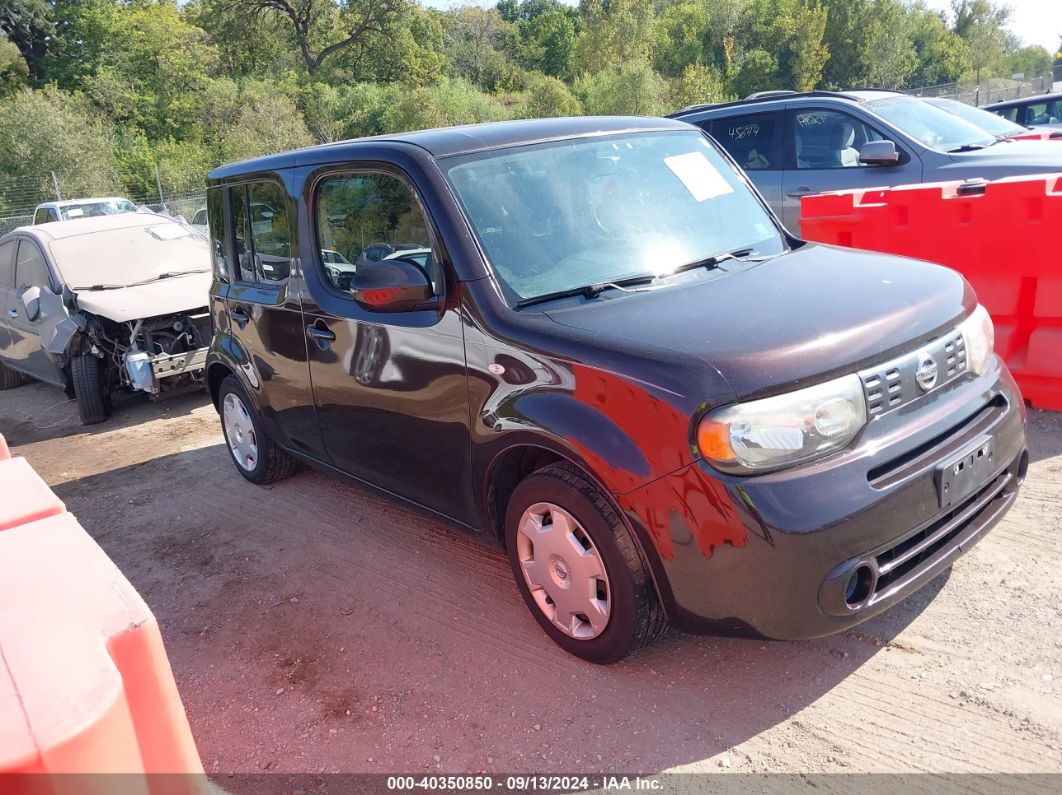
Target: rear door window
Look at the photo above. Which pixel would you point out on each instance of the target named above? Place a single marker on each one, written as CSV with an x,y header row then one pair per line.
x,y
754,141
7,263
1049,112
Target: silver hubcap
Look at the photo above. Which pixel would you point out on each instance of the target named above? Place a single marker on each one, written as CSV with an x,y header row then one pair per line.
x,y
563,570
239,432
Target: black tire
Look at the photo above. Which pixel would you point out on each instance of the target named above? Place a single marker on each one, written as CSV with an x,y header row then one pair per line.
x,y
90,389
273,463
9,378
636,617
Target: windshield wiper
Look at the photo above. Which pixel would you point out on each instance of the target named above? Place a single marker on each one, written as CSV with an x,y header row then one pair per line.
x,y
967,148
588,290
167,275
709,262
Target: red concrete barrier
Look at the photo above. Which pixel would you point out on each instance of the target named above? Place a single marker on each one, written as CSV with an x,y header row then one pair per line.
x,y
1004,238
85,685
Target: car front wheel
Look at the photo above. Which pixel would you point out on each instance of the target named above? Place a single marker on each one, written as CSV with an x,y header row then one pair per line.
x,y
257,457
9,378
578,567
90,389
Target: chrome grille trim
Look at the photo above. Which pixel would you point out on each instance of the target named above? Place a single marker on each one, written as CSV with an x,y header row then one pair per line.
x,y
892,384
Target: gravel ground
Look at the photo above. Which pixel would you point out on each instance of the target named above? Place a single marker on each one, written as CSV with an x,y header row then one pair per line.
x,y
314,626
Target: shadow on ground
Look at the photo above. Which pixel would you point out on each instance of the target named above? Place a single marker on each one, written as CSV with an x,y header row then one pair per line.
x,y
315,626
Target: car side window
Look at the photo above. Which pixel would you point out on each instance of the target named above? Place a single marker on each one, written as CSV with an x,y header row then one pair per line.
x,y
753,141
368,217
1044,112
214,215
829,139
260,223
30,268
7,263
41,216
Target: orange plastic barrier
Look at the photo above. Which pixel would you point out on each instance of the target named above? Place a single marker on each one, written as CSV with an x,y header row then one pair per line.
x,y
85,685
1004,239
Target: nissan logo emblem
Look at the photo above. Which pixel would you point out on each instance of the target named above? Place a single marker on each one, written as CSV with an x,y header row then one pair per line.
x,y
926,372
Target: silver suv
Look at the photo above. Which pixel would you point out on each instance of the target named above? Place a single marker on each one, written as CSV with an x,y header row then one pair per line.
x,y
793,144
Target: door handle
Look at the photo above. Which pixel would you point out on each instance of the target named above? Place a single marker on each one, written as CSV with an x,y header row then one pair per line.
x,y
12,313
322,336
796,193
241,317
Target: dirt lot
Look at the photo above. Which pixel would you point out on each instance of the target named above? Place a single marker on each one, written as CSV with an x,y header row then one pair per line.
x,y
314,626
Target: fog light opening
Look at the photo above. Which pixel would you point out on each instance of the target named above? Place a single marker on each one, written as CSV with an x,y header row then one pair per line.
x,y
1023,466
860,586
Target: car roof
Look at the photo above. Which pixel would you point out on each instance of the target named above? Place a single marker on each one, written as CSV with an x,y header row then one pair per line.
x,y
69,202
59,230
446,141
770,97
1012,103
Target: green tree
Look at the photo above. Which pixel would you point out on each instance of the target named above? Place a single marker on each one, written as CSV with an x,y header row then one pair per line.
x,y
757,71
548,41
614,32
549,97
980,24
267,124
698,84
807,45
29,25
942,54
320,29
478,45
1030,61
48,131
630,89
890,57
682,31
13,70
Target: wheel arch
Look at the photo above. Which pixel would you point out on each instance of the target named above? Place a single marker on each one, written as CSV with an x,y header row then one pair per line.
x,y
521,458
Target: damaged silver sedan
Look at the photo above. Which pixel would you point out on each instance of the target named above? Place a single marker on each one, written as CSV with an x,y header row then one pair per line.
x,y
103,304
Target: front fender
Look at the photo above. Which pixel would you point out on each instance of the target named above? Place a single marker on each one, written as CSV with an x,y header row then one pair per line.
x,y
227,352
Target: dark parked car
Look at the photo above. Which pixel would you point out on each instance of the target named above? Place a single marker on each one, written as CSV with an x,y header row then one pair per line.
x,y
793,144
991,122
1044,109
629,376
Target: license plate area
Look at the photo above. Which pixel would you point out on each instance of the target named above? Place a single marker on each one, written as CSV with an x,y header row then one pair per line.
x,y
960,475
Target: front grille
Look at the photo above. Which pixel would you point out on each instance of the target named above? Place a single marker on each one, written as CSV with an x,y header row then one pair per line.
x,y
906,559
893,384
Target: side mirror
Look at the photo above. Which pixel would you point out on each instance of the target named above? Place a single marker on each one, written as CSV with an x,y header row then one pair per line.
x,y
31,302
390,285
879,153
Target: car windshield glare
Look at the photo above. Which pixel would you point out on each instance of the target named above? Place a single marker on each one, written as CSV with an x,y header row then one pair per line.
x,y
563,215
936,128
984,119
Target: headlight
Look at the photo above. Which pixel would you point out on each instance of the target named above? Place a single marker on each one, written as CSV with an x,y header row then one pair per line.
x,y
980,337
780,431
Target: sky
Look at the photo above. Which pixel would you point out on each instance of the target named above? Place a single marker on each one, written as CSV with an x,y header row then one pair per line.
x,y
1034,21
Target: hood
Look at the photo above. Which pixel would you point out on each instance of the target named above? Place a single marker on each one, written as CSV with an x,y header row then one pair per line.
x,y
1043,155
164,297
817,312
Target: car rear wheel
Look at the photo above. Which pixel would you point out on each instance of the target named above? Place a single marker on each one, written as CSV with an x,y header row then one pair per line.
x,y
257,457
9,378
578,567
90,389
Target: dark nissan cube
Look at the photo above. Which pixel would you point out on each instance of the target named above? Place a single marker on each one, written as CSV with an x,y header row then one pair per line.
x,y
589,342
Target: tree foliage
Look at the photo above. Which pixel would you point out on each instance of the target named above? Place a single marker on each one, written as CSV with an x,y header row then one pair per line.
x,y
147,90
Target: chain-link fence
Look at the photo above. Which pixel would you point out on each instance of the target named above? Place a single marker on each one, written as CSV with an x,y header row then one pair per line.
x,y
19,199
992,89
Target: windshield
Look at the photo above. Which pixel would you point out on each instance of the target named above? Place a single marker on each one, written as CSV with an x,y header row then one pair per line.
x,y
563,215
128,255
987,121
93,209
934,127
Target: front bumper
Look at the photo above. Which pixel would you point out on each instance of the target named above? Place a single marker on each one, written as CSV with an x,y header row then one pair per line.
x,y
148,373
774,555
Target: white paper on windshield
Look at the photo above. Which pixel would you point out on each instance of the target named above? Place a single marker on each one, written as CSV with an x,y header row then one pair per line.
x,y
168,231
75,212
699,176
